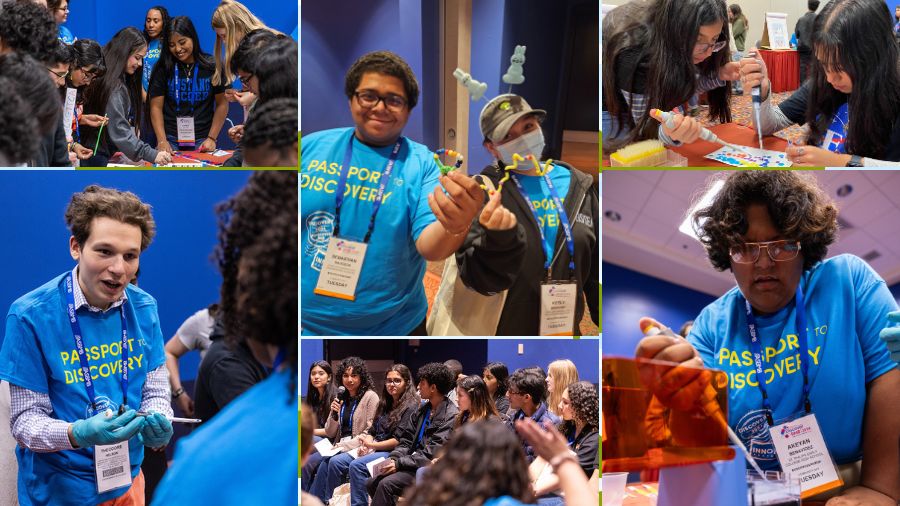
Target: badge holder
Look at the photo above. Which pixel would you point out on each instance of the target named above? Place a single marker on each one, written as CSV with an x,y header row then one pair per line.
x,y
341,268
557,315
186,135
112,463
802,453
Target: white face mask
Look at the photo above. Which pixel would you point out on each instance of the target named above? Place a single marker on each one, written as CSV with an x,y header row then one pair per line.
x,y
531,143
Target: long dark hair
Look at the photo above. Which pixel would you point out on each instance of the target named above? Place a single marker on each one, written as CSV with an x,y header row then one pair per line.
x,y
116,53
856,37
501,372
482,405
409,397
322,404
164,33
738,14
181,25
482,460
359,368
662,33
585,402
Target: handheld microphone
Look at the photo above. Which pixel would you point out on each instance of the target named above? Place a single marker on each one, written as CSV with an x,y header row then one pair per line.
x,y
340,395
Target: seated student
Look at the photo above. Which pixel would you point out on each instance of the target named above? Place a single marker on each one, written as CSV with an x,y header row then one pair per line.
x,y
59,423
661,54
475,402
421,438
32,82
851,100
248,454
399,403
155,25
270,138
193,334
552,231
17,140
579,408
307,427
27,28
187,111
117,95
351,413
456,368
494,376
527,393
60,11
560,374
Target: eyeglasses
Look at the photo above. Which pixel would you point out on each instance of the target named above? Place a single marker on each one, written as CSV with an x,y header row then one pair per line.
x,y
89,73
393,381
61,75
63,9
246,80
510,392
778,251
369,100
716,47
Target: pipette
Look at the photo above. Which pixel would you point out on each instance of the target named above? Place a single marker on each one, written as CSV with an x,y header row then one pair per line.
x,y
706,134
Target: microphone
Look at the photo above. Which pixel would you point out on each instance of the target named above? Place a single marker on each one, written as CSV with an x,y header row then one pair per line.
x,y
340,395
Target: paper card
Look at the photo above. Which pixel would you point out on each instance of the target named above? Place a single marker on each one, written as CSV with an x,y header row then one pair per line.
x,y
376,467
354,453
326,449
754,157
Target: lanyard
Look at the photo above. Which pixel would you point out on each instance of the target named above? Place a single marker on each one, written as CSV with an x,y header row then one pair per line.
x,y
279,359
82,355
422,429
563,218
342,183
756,348
77,137
352,410
193,78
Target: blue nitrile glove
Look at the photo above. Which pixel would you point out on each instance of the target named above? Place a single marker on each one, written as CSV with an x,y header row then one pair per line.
x,y
157,430
100,430
891,336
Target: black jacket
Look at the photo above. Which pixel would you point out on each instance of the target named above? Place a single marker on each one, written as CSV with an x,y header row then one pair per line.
x,y
803,31
436,434
490,262
52,152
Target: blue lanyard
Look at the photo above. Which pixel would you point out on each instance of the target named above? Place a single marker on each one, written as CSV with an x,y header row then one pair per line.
x,y
756,348
342,183
77,137
279,359
563,218
422,429
352,410
193,79
82,355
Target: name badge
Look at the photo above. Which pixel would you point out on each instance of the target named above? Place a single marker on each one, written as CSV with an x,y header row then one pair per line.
x,y
69,111
341,268
558,308
112,465
186,135
802,453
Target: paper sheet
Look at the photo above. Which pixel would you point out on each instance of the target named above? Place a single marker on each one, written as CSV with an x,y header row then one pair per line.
x,y
326,449
376,467
756,157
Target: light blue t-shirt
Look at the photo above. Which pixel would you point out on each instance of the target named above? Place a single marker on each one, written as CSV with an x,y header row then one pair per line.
x,y
542,200
846,305
65,35
38,353
246,444
153,54
390,297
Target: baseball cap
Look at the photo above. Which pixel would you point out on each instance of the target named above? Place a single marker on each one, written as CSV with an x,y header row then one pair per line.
x,y
499,115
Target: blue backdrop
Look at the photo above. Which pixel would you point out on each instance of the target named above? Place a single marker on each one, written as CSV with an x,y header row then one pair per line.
x,y
176,269
472,353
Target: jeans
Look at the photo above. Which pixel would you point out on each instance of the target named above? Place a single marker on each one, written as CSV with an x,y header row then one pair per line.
x,y
331,473
308,471
359,473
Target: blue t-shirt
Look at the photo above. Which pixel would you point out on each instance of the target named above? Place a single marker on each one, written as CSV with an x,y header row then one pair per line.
x,y
153,53
542,200
846,304
65,35
390,297
837,131
38,353
248,444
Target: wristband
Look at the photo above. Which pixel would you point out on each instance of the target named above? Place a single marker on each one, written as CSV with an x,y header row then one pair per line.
x,y
558,460
177,393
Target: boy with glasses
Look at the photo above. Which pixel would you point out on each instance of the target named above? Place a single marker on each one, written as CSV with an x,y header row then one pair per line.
x,y
527,393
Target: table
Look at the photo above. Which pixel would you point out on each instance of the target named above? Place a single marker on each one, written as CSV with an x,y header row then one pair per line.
x,y
729,132
182,159
784,68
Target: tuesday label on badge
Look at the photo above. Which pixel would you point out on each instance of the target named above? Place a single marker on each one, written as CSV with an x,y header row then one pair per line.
x,y
341,268
802,453
558,308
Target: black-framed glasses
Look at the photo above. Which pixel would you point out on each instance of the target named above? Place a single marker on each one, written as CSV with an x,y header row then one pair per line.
x,y
368,100
393,381
779,251
61,75
92,73
246,80
716,47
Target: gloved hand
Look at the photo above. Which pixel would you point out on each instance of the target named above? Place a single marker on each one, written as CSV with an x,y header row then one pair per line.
x,y
157,430
100,430
891,336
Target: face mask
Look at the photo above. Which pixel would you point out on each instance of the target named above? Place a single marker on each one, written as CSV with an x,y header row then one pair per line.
x,y
531,143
